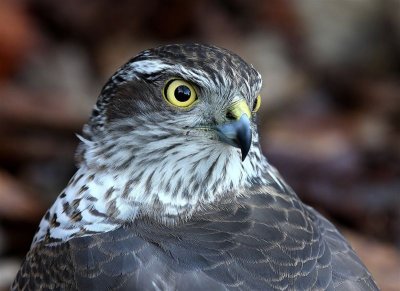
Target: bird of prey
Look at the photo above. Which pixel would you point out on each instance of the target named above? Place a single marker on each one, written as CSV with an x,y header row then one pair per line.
x,y
172,192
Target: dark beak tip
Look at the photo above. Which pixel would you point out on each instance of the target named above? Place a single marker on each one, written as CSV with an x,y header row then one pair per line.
x,y
245,145
237,134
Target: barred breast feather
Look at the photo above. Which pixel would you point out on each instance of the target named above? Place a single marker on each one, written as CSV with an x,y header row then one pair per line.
x,y
265,240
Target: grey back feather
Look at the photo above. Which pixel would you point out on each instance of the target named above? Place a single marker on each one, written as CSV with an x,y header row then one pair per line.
x,y
267,240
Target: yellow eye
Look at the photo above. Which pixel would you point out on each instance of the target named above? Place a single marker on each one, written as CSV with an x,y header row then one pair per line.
x,y
256,104
179,93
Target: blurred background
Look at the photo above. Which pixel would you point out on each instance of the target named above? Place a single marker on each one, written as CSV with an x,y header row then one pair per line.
x,y
330,116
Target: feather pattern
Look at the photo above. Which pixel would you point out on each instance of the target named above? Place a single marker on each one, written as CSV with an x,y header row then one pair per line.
x,y
159,202
266,239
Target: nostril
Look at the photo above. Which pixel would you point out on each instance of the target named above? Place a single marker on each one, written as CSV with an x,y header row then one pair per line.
x,y
230,116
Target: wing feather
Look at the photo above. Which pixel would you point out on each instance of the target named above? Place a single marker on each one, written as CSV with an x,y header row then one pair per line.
x,y
266,240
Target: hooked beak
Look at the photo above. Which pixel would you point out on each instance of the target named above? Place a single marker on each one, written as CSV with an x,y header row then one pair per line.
x,y
238,132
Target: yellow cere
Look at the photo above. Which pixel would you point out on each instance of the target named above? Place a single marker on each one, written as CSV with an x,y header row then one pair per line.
x,y
179,93
238,108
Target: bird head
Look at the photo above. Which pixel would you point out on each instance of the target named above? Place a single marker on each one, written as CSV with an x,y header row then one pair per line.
x,y
181,118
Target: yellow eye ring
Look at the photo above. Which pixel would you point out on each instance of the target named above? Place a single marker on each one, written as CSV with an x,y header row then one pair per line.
x,y
256,104
179,93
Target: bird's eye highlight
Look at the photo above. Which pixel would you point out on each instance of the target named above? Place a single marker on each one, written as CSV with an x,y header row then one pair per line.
x,y
179,93
256,104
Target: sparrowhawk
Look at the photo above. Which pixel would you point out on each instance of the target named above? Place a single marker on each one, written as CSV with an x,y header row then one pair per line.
x,y
172,192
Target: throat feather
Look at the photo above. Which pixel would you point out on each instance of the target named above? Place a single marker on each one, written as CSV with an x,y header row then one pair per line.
x,y
170,188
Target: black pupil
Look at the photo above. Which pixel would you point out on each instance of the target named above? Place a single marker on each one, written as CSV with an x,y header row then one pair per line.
x,y
182,93
255,104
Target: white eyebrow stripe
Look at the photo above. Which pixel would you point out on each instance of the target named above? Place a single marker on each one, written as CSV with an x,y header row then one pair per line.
x,y
195,75
149,66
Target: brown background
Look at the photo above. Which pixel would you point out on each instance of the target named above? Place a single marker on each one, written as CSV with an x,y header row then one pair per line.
x,y
330,117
